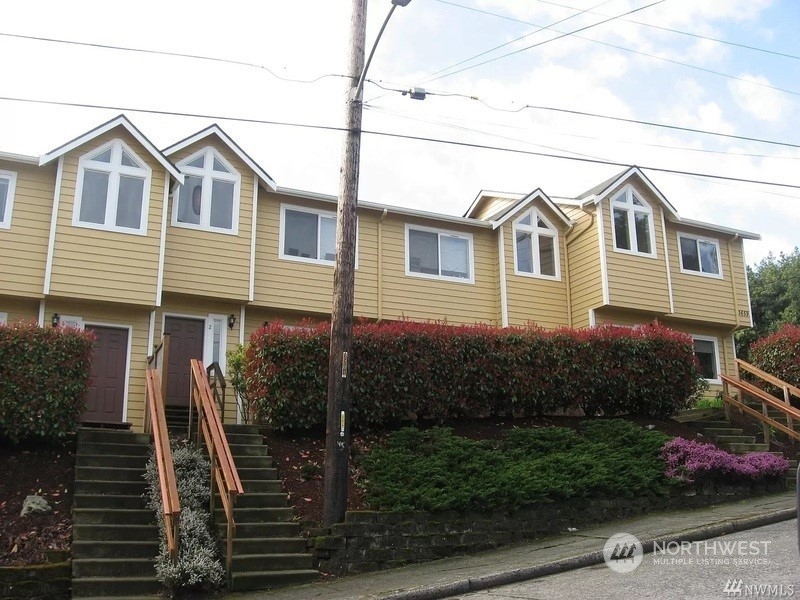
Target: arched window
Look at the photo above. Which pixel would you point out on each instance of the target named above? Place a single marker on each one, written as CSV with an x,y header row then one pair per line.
x,y
632,223
536,246
209,197
113,189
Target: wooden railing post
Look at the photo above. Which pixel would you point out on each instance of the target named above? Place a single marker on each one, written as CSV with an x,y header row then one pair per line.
x,y
788,400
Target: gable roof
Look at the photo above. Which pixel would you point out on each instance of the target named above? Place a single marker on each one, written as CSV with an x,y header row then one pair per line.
x,y
484,195
597,192
120,121
536,194
215,129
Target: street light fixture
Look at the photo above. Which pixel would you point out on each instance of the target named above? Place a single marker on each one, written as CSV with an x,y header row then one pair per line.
x,y
337,433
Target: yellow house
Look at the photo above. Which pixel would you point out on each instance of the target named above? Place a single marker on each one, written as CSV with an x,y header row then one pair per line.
x,y
109,233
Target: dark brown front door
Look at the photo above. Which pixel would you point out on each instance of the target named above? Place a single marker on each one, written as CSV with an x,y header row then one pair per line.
x,y
107,391
185,343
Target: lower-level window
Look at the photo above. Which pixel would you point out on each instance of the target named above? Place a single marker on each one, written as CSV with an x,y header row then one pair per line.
x,y
706,350
3,318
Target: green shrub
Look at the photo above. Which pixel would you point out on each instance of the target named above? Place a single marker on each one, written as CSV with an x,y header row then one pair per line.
x,y
237,378
198,567
436,470
779,354
44,380
410,371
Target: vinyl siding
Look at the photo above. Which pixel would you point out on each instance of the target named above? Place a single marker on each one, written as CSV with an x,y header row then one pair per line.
x,y
489,206
209,263
585,277
709,299
120,316
419,298
285,284
535,299
24,245
725,346
106,265
21,309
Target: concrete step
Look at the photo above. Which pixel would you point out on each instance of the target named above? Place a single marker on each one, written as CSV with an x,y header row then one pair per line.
x,y
257,473
706,424
253,462
260,486
262,530
121,516
105,532
112,436
262,580
734,439
111,460
241,439
241,428
278,545
113,449
108,501
745,448
110,488
113,567
248,450
271,562
255,500
715,431
116,587
115,549
257,515
108,474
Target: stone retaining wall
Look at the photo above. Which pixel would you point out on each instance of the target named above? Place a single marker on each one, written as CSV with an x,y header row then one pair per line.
x,y
369,541
37,582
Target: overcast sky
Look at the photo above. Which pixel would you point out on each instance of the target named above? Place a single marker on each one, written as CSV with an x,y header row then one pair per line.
x,y
644,66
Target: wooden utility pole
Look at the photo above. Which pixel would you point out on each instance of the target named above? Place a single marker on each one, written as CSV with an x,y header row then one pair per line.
x,y
337,438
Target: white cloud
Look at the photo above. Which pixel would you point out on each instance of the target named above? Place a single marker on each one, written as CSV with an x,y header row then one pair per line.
x,y
763,103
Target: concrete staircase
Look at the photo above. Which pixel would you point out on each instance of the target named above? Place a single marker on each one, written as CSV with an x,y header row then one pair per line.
x,y
115,537
268,550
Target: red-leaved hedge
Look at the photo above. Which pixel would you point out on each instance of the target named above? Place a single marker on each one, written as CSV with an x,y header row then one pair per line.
x,y
44,379
407,370
779,354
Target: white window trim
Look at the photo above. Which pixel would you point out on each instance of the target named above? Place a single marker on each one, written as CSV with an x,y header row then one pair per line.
x,y
448,233
144,172
537,231
313,211
208,341
628,191
3,318
699,238
5,223
207,173
709,338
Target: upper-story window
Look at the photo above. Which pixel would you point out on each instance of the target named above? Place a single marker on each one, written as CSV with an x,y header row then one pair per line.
x,y
113,190
536,246
632,224
8,182
699,255
439,254
308,235
209,196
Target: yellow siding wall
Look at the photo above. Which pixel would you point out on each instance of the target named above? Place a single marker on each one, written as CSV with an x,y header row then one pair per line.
x,y
24,246
419,298
210,263
535,299
649,288
725,346
121,316
20,309
707,298
105,265
491,205
585,277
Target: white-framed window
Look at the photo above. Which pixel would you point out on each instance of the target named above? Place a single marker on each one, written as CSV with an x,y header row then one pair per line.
x,y
307,235
209,196
8,183
699,255
536,246
3,318
706,349
632,223
439,254
113,190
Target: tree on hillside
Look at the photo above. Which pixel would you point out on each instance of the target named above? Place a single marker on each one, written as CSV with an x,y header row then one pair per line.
x,y
774,297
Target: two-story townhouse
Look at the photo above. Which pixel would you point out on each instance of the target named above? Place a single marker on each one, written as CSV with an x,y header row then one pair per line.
x,y
109,233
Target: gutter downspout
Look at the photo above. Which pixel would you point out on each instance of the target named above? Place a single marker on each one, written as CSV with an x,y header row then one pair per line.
x,y
380,265
733,281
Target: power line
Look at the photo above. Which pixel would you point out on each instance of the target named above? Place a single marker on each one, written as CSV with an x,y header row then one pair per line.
x,y
401,136
558,37
610,45
229,61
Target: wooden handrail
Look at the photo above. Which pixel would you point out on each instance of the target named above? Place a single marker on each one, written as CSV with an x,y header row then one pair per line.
x,y
166,471
223,468
795,391
767,401
218,389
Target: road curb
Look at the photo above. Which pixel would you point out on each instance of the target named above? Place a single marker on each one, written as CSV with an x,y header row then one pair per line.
x,y
474,584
